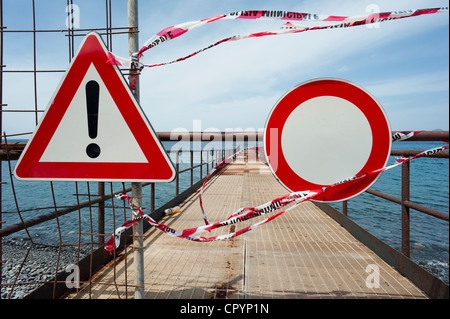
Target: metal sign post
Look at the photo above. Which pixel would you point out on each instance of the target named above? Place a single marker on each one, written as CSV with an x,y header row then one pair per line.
x,y
136,192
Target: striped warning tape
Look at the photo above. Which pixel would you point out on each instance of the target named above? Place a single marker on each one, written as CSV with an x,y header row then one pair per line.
x,y
248,213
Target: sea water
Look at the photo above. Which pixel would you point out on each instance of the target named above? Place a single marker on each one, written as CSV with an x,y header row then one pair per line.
x,y
429,187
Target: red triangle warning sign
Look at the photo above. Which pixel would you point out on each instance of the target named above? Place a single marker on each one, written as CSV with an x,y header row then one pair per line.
x,y
93,128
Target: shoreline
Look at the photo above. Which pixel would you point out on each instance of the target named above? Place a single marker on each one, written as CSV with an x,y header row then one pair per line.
x,y
39,267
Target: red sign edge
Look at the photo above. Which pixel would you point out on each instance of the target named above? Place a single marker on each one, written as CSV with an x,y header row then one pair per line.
x,y
138,109
375,177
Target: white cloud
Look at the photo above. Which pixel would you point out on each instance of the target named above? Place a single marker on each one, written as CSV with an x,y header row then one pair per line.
x,y
242,80
235,73
432,82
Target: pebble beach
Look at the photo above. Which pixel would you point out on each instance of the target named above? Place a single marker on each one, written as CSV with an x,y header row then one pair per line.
x,y
39,266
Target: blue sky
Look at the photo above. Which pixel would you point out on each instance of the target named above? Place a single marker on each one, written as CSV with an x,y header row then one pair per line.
x,y
404,64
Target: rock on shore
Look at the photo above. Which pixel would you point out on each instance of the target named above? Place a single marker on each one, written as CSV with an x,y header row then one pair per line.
x,y
39,266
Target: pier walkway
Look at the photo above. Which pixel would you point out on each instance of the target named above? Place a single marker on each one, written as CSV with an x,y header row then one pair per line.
x,y
301,254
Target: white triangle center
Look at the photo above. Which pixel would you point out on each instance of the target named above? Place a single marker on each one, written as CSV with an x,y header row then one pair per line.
x,y
116,141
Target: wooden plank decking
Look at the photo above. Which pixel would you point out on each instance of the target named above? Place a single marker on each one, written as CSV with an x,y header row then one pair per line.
x,y
301,254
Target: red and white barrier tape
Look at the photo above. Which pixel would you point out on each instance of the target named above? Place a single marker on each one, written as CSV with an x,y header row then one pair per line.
x,y
240,215
404,135
398,136
247,213
224,162
173,32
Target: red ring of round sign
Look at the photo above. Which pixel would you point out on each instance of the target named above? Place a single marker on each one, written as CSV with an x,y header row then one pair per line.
x,y
324,131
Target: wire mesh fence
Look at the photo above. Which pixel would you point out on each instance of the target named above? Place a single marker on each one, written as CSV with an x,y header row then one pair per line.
x,y
32,256
48,228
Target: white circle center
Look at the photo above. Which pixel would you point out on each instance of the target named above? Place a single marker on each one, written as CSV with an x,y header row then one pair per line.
x,y
326,139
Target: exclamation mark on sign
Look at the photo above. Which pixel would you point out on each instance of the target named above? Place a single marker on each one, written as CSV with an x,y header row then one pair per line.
x,y
92,96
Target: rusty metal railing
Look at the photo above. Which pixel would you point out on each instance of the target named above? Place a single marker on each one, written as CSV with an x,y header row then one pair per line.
x,y
405,200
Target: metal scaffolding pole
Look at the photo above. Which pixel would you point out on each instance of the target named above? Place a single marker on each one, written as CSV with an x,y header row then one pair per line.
x,y
136,192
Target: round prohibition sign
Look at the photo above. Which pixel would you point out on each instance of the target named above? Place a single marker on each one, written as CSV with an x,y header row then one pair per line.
x,y
324,131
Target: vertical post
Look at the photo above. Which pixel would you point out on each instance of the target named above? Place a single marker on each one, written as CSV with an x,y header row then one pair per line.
x,y
192,167
177,182
1,128
405,210
138,243
344,208
201,163
136,188
152,197
101,214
